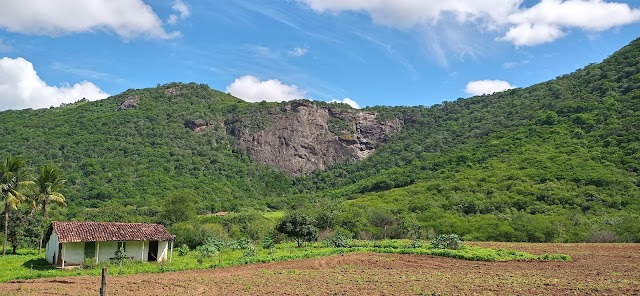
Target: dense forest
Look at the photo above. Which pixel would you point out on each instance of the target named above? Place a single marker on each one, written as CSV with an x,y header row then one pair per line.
x,y
554,162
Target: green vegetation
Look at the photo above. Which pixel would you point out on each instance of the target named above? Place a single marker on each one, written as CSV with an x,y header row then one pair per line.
x,y
555,162
28,265
298,227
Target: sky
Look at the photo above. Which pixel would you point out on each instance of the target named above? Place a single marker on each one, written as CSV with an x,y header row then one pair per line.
x,y
360,52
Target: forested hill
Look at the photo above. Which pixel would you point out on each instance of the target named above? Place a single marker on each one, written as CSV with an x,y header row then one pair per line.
x,y
557,161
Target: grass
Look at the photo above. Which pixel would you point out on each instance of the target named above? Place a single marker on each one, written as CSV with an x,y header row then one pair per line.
x,y
28,265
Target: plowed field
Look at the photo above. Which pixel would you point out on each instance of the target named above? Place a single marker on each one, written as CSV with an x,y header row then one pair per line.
x,y
597,269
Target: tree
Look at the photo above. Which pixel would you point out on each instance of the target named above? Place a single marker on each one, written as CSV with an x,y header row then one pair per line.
x,y
298,227
24,229
48,182
179,206
11,177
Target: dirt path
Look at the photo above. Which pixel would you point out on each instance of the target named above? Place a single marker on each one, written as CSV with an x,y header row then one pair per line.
x,y
602,269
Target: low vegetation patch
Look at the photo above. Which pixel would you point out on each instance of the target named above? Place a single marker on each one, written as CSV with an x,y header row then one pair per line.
x,y
28,265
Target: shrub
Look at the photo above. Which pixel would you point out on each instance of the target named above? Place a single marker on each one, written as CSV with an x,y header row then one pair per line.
x,y
416,244
241,244
89,263
602,236
338,240
446,241
268,242
209,249
249,251
183,250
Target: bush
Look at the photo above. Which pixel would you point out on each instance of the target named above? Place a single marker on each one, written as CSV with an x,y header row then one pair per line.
x,y
268,242
446,241
89,263
602,236
416,244
183,250
209,249
338,240
249,251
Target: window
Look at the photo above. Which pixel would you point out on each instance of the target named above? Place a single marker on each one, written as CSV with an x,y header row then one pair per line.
x,y
122,245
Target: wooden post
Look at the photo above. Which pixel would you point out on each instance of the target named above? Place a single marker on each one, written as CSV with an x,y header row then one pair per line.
x,y
103,284
171,252
63,249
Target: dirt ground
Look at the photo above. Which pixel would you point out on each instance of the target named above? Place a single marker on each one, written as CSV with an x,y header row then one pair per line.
x,y
597,269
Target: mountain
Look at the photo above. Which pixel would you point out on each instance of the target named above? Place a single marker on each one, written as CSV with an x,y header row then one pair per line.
x,y
557,161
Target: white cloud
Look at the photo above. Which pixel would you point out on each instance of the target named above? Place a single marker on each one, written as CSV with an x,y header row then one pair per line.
x,y
409,13
21,87
182,12
548,20
252,89
544,22
127,18
482,87
349,102
299,51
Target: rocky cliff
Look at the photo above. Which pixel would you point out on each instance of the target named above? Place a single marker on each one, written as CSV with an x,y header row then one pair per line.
x,y
302,137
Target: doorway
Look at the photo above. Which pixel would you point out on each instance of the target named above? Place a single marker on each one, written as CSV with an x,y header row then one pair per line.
x,y
90,250
153,251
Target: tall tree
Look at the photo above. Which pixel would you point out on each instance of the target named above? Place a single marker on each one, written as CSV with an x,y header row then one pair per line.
x,y
49,180
11,177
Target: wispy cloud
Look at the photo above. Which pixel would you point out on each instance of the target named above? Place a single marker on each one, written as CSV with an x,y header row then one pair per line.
x,y
86,73
390,51
299,51
4,47
182,12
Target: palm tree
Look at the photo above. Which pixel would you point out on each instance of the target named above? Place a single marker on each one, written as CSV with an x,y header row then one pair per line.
x,y
49,180
11,175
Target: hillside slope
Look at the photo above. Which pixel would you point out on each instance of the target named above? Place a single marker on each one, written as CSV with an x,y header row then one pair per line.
x,y
557,161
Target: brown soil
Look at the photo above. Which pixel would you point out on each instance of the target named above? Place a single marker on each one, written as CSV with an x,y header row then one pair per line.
x,y
602,269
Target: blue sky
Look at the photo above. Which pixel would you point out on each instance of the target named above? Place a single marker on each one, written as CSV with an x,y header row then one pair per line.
x,y
384,52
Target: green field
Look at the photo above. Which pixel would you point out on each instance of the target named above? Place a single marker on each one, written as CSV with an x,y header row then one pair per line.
x,y
29,265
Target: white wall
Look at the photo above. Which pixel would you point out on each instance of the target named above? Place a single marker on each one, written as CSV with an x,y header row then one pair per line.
x,y
73,253
52,248
134,249
163,251
107,250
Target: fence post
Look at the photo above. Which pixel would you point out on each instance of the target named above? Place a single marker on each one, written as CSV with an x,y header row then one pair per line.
x,y
103,285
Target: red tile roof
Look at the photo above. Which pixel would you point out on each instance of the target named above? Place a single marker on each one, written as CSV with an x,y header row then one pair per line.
x,y
69,232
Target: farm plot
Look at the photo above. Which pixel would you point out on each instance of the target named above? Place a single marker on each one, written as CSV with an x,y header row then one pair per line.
x,y
596,269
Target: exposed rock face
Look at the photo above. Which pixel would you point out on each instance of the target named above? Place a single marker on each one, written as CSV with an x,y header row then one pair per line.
x,y
304,137
130,103
172,91
197,125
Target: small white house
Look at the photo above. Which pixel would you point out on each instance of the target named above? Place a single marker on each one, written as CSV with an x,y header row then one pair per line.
x,y
71,243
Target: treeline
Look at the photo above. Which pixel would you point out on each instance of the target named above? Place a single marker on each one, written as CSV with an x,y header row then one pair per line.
x,y
27,199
